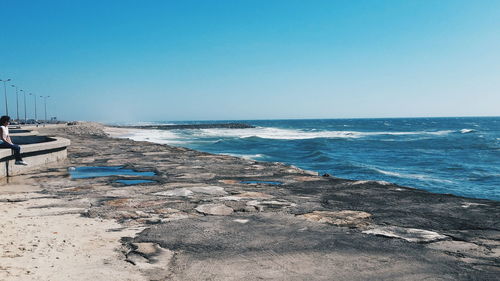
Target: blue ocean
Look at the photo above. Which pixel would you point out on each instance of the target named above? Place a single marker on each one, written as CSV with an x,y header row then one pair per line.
x,y
460,156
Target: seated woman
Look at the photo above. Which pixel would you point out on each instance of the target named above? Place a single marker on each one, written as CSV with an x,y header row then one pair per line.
x,y
6,142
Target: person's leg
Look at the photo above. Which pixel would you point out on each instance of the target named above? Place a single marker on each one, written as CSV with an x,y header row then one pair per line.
x,y
16,148
17,152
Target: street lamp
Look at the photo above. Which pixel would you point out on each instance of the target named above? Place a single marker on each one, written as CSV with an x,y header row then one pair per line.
x,y
25,116
5,94
31,94
17,100
45,105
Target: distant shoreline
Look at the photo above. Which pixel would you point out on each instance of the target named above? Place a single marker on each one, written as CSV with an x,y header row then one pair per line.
x,y
192,126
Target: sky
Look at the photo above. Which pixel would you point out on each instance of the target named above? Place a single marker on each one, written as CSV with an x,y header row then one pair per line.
x,y
153,60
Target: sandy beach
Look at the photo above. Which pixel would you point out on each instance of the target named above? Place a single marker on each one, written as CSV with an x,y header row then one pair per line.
x,y
217,217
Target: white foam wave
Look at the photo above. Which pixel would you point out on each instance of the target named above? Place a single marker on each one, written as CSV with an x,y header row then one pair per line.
x,y
465,131
245,156
295,134
411,176
156,136
185,136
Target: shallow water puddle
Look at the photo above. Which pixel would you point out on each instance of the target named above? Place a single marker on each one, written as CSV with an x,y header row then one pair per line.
x,y
132,182
264,182
104,171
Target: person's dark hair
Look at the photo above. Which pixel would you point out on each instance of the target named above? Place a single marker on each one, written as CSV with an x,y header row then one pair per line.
x,y
4,119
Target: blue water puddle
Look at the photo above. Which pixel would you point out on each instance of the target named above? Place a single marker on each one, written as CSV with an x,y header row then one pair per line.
x,y
104,171
132,182
264,182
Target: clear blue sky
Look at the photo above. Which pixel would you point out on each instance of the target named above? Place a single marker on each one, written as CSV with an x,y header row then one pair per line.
x,y
192,60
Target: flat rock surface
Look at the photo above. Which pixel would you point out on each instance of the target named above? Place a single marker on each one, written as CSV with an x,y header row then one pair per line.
x,y
214,209
307,228
408,234
340,218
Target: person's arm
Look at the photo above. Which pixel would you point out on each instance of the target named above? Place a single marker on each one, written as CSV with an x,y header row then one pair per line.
x,y
1,135
5,140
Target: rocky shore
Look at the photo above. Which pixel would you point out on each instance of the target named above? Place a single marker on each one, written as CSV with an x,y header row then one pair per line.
x,y
217,217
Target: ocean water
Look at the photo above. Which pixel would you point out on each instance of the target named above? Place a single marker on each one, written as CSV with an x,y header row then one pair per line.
x,y
460,156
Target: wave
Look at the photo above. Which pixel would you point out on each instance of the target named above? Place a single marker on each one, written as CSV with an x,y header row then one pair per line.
x,y
465,131
188,135
410,176
246,156
156,136
297,134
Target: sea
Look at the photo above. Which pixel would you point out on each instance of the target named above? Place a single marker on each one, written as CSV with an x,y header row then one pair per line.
x,y
459,156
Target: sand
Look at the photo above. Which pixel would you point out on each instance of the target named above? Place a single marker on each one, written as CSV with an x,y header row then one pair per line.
x,y
57,243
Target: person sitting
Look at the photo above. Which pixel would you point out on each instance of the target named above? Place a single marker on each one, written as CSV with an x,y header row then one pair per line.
x,y
6,142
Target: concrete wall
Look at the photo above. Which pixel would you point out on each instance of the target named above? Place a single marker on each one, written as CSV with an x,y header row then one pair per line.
x,y
14,133
35,154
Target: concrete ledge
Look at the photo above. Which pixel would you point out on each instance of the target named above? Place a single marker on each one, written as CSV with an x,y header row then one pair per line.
x,y
16,132
45,150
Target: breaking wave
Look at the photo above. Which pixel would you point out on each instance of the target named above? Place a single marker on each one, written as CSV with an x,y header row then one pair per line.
x,y
411,176
295,134
465,131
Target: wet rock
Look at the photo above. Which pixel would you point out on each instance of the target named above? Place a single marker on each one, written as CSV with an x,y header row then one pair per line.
x,y
341,218
214,209
408,234
307,178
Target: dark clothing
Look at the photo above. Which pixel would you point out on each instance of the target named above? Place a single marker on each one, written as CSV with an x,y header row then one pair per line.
x,y
16,148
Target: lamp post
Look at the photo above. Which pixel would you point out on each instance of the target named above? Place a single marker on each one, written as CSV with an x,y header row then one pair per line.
x,y
45,105
31,94
17,101
5,94
25,116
